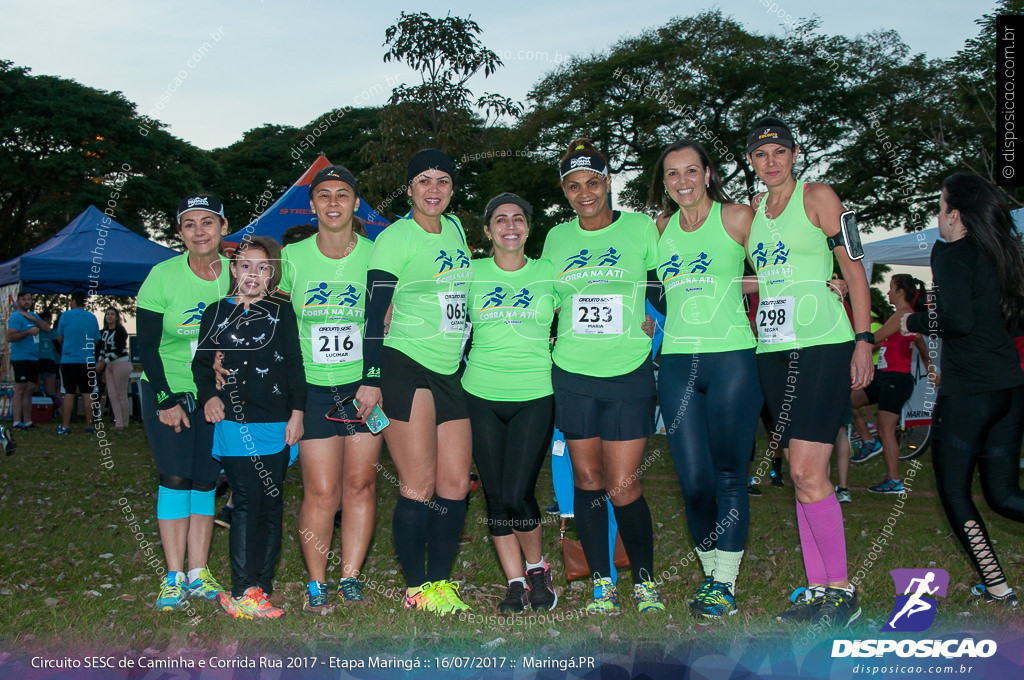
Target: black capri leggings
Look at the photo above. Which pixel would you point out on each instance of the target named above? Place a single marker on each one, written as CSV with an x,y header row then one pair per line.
x,y
510,440
984,430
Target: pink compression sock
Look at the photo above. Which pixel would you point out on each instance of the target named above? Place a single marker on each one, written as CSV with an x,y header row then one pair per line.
x,y
825,521
813,564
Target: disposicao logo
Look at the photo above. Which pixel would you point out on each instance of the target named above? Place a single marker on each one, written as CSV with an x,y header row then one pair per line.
x,y
914,611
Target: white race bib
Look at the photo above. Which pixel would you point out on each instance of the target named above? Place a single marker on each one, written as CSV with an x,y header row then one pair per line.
x,y
881,359
193,345
453,312
597,314
775,320
336,343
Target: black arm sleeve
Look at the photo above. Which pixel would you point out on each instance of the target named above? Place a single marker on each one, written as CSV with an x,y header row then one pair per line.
x,y
656,292
149,328
206,352
293,359
380,289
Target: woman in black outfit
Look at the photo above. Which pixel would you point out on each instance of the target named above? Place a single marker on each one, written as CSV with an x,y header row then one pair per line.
x,y
978,275
114,364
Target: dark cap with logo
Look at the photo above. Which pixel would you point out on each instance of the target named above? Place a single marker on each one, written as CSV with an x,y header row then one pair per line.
x,y
770,131
334,173
200,202
502,199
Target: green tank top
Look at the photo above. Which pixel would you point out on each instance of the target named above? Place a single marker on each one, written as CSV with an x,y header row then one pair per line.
x,y
702,273
328,297
511,313
792,260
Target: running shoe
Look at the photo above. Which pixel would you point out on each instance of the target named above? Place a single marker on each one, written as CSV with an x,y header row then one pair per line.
x,y
1007,599
252,605
7,441
316,601
542,593
839,609
887,485
776,478
713,601
61,430
517,599
843,495
223,518
645,594
606,598
350,591
806,603
448,594
90,430
753,490
171,596
866,450
205,586
424,598
552,509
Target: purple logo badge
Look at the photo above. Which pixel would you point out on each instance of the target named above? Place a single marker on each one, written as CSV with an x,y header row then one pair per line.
x,y
915,606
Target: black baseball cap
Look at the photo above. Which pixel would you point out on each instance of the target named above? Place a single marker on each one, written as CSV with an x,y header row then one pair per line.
x,y
334,173
200,202
770,131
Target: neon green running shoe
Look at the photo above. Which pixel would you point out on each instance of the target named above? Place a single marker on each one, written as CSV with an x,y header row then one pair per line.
x,y
606,598
205,586
714,602
448,593
171,596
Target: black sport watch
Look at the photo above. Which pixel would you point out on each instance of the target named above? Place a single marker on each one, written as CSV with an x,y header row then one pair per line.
x,y
867,337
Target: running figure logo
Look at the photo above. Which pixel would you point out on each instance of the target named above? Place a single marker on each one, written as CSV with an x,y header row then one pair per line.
x,y
522,298
760,256
781,253
495,297
671,267
446,262
349,296
577,261
700,264
460,261
196,314
321,295
914,610
610,258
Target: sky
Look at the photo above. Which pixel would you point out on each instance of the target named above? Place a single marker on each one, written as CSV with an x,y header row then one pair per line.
x,y
286,63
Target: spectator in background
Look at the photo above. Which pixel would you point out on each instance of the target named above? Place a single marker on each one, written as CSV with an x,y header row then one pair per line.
x,y
23,328
48,354
112,360
77,331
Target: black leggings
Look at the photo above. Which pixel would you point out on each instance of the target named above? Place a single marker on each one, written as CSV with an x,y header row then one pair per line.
x,y
710,403
256,516
984,430
510,440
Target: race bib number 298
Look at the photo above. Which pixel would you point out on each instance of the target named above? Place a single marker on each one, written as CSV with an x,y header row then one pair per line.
x,y
775,320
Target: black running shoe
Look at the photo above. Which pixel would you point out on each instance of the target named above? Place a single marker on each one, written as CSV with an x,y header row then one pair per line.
x,y
806,603
7,440
223,518
839,609
542,593
552,509
1007,599
776,478
517,599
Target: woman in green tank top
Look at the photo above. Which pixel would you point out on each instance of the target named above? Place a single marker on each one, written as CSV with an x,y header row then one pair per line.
x,y
808,356
707,383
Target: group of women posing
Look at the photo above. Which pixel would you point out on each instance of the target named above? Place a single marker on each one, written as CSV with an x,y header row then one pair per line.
x,y
386,323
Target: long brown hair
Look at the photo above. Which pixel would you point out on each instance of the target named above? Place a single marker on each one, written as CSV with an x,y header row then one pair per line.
x,y
273,251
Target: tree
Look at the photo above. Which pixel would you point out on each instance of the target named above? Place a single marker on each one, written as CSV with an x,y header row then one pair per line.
x,y
64,146
707,77
441,111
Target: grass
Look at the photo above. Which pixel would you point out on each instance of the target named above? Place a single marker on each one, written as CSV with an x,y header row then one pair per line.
x,y
72,577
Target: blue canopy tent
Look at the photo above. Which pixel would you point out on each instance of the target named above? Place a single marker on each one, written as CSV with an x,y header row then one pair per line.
x,y
293,208
93,254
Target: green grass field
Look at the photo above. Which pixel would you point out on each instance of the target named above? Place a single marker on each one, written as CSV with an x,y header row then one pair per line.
x,y
72,576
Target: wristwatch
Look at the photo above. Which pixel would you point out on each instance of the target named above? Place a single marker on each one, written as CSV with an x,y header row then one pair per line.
x,y
865,337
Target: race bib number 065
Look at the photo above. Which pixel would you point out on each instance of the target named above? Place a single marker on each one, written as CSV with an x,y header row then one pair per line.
x,y
775,320
453,312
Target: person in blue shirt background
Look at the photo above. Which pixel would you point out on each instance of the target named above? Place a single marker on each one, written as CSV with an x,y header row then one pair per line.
x,y
48,355
77,331
23,328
